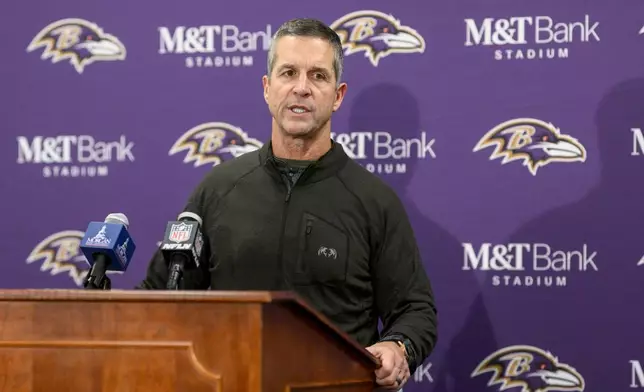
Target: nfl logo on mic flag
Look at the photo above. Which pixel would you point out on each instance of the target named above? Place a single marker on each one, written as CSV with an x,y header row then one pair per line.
x,y
180,235
183,236
180,232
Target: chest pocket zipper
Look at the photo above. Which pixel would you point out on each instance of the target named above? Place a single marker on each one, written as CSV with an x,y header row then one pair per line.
x,y
304,245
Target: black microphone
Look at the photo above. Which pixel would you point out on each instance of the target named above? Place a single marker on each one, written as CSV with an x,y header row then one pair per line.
x,y
182,246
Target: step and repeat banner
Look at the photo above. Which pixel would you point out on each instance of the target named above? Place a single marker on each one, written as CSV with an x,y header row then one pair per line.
x,y
512,131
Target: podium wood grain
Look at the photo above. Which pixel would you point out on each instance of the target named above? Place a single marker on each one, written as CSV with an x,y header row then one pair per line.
x,y
136,341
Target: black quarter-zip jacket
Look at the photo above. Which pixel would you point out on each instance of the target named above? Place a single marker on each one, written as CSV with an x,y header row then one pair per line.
x,y
339,237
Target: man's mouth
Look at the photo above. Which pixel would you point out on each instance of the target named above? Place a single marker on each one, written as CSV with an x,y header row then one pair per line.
x,y
298,109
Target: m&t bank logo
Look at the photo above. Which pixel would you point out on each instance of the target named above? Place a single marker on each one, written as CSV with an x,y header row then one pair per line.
x,y
523,264
529,37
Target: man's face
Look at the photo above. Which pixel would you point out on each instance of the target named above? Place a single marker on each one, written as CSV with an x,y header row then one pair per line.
x,y
302,94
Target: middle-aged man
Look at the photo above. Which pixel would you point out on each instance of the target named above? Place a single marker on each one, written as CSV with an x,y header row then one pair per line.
x,y
299,215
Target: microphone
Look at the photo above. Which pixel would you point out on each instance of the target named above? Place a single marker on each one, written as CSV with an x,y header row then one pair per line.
x,y
182,246
107,246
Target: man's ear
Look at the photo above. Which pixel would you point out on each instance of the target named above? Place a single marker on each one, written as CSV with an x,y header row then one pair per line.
x,y
339,96
265,83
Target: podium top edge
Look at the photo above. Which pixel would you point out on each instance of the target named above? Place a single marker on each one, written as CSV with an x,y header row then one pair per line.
x,y
145,296
166,296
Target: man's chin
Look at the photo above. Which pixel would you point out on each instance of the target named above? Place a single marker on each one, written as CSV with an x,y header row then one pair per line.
x,y
298,131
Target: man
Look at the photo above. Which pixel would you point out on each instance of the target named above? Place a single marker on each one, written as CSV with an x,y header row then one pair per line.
x,y
299,215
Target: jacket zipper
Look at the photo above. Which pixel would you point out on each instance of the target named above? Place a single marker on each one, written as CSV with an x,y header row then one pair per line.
x,y
304,246
307,233
289,189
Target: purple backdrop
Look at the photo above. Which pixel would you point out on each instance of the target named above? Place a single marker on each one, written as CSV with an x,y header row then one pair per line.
x,y
511,130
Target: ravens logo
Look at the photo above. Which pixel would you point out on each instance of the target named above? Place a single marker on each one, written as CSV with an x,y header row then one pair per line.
x,y
532,141
60,252
206,143
327,252
529,369
377,35
79,41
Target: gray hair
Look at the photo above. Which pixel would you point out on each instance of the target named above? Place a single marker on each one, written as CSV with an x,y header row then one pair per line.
x,y
306,27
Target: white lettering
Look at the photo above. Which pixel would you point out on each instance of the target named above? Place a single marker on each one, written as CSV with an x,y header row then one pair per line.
x,y
513,31
547,31
503,258
218,61
72,156
176,246
60,149
354,143
45,149
90,150
208,38
529,281
386,168
235,41
74,171
544,259
530,54
638,142
506,31
387,147
510,32
422,373
188,40
171,43
510,258
637,374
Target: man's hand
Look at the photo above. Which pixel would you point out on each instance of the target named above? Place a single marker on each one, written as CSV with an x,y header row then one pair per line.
x,y
394,371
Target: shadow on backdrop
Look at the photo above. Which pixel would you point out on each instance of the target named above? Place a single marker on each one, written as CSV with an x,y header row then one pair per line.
x,y
465,335
593,323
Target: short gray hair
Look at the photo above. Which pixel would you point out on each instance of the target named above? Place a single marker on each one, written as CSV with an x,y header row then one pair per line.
x,y
306,27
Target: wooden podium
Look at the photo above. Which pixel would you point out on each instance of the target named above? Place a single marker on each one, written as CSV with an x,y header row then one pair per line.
x,y
158,341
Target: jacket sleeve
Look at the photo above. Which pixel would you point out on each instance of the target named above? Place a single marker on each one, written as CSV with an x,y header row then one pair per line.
x,y
403,293
157,274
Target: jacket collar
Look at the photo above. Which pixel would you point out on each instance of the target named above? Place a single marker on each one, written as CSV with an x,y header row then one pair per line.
x,y
328,164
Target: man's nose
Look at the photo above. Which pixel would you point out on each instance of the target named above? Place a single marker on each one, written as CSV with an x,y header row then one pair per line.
x,y
302,86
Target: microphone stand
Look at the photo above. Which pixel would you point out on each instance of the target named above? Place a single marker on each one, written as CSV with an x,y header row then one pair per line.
x,y
176,274
103,284
98,280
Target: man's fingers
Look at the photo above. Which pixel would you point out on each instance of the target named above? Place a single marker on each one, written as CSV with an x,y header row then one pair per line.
x,y
399,370
394,371
388,363
397,377
385,366
392,378
375,351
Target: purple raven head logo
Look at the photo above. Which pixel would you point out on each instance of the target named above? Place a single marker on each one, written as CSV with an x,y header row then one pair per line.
x,y
210,142
59,253
534,142
377,35
529,369
79,41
